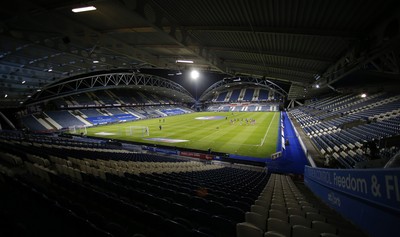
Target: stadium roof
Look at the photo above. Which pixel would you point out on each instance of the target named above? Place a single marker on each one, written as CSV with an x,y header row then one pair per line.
x,y
297,42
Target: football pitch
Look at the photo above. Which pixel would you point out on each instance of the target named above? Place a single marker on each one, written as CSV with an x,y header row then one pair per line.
x,y
253,134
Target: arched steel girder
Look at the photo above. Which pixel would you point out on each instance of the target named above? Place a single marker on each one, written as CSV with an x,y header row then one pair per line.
x,y
233,81
107,80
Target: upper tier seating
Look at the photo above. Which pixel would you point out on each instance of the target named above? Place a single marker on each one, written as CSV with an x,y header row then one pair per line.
x,y
264,107
248,95
263,96
64,118
32,123
221,97
91,112
235,95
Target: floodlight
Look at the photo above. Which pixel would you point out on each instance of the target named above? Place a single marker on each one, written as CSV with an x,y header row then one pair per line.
x,y
363,95
84,9
194,74
183,61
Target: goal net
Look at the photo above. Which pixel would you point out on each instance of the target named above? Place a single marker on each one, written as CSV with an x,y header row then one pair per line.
x,y
137,131
78,129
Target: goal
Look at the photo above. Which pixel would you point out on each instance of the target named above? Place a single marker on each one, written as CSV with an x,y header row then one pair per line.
x,y
78,129
137,131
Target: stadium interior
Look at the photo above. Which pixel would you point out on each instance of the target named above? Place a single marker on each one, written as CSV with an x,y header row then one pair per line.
x,y
212,118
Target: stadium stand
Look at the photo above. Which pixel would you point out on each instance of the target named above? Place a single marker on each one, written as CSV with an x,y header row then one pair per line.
x,y
108,191
235,95
81,99
103,97
196,195
263,95
125,96
58,120
32,123
244,107
114,111
64,118
297,135
248,95
345,132
221,96
91,112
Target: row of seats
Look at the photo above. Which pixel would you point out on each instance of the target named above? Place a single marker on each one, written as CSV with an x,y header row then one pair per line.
x,y
19,136
195,203
343,137
282,210
114,96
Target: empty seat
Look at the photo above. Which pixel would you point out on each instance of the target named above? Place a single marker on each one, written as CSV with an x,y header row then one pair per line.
x,y
279,226
235,213
245,229
299,220
278,215
303,231
307,208
328,235
279,207
174,228
262,203
273,234
222,224
315,216
295,211
259,209
257,220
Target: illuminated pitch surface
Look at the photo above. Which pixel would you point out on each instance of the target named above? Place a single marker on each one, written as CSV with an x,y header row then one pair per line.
x,y
205,130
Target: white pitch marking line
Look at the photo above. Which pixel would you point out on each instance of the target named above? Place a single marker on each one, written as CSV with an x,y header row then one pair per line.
x,y
266,133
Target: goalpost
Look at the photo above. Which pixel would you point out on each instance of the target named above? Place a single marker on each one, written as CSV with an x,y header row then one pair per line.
x,y
78,129
137,131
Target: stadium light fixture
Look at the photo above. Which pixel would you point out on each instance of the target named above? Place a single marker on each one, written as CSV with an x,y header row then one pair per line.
x,y
83,9
184,61
363,95
194,74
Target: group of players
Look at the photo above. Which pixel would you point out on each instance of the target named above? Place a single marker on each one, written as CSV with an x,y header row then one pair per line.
x,y
243,121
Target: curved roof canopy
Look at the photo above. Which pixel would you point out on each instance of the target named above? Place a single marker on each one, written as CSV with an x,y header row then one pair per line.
x,y
301,42
101,81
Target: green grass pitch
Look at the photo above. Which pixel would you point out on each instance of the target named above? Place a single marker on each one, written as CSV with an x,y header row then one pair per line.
x,y
241,138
